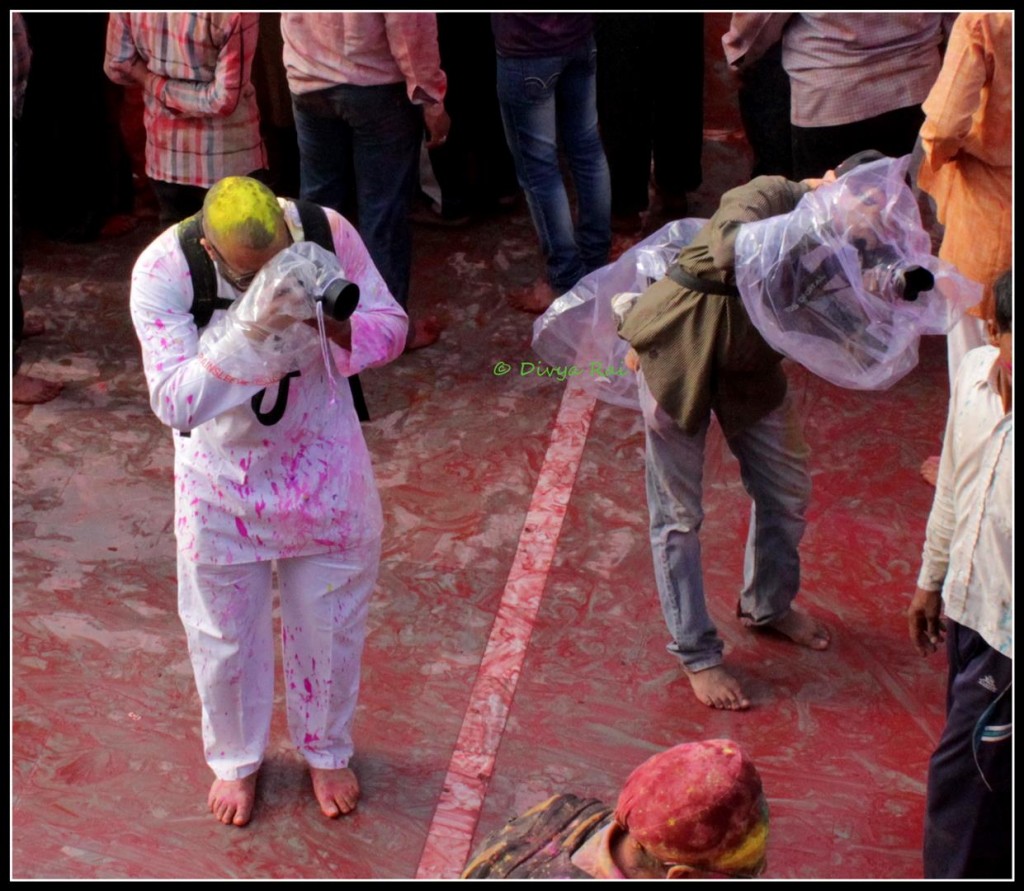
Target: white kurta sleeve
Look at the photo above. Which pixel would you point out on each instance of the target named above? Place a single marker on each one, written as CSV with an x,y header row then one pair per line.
x,y
379,324
182,393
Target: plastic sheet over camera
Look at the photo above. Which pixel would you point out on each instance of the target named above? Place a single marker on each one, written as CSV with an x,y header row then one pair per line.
x,y
265,334
845,284
580,329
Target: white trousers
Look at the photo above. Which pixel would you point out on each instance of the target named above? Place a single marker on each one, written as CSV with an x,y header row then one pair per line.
x,y
964,336
228,618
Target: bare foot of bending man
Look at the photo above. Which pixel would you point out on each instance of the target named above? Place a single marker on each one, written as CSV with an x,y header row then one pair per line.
x,y
336,790
232,800
802,629
717,688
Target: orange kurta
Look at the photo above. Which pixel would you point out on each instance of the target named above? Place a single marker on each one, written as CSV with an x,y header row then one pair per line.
x,y
968,144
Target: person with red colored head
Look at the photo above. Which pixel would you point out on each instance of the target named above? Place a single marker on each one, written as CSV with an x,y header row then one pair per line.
x,y
696,810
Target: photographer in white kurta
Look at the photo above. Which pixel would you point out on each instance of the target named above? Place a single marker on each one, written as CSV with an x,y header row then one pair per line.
x,y
270,465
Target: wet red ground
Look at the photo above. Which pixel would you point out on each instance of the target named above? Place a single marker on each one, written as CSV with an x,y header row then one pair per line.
x,y
107,769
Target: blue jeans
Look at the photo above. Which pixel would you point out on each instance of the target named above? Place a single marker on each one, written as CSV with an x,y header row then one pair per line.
x,y
545,101
773,465
359,150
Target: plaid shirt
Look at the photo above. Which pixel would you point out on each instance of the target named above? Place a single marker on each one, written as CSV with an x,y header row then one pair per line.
x,y
21,57
201,118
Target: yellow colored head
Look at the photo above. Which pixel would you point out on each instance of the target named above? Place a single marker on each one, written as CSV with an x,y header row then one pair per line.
x,y
242,211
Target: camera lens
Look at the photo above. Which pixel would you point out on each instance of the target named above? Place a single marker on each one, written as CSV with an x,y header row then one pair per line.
x,y
340,299
916,280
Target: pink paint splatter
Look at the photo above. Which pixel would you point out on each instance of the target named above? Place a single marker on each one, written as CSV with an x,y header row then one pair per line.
x,y
241,527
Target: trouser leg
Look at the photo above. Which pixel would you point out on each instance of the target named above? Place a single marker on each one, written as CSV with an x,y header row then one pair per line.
x,y
324,604
674,464
226,611
527,98
576,103
773,464
970,776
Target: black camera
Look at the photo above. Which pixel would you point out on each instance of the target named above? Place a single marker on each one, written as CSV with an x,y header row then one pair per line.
x,y
340,298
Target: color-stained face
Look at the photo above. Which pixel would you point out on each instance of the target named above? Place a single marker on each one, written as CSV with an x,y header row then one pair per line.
x,y
239,264
243,228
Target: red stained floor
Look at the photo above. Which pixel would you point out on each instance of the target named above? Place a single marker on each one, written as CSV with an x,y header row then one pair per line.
x,y
108,777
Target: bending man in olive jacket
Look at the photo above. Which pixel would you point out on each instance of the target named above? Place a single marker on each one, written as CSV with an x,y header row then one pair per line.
x,y
698,352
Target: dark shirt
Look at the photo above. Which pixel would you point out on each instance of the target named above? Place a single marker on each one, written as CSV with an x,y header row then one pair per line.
x,y
538,34
540,843
698,351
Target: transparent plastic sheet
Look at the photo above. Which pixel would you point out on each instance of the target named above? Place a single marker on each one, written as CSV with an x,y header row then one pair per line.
x,y
834,284
581,329
264,335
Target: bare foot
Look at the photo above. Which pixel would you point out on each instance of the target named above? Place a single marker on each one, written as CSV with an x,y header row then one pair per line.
x,y
232,800
422,332
717,688
930,470
27,390
535,298
336,790
802,629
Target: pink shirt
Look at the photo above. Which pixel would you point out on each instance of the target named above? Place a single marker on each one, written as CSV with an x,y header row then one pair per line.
x,y
844,67
325,49
201,118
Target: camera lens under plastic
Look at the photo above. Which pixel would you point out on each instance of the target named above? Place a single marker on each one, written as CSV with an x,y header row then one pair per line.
x,y
916,280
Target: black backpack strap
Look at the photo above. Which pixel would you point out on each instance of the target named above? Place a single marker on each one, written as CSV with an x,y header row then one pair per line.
x,y
316,228
200,267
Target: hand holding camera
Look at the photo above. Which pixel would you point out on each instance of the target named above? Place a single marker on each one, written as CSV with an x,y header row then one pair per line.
x,y
288,289
273,328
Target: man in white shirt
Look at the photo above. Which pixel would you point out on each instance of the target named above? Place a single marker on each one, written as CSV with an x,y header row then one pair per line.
x,y
271,471
968,564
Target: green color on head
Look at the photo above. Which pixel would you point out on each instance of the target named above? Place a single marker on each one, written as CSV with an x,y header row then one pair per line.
x,y
243,211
